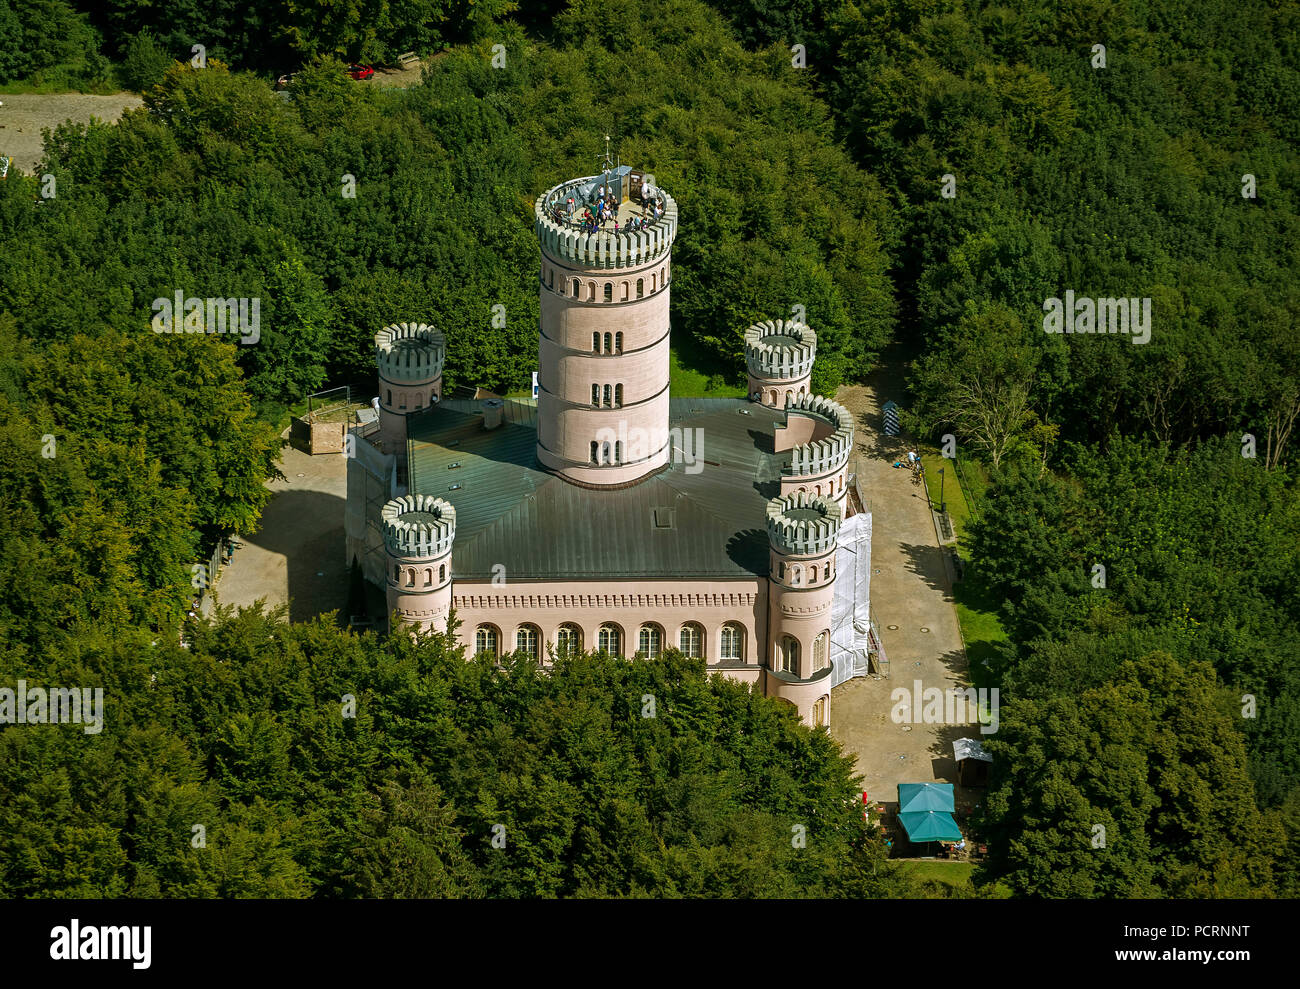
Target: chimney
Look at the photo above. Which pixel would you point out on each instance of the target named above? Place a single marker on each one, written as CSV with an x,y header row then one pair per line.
x,y
492,413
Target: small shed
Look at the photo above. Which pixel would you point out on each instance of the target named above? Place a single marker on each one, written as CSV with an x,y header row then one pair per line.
x,y
972,762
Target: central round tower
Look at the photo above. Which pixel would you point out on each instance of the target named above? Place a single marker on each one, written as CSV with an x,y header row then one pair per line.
x,y
602,360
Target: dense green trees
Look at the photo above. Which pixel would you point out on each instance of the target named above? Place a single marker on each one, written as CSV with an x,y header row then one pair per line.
x,y
453,778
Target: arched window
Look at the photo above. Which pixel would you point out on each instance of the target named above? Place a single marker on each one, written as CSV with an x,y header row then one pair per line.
x,y
595,396
652,283
691,640
640,287
618,451
650,641
419,400
604,452
397,574
826,573
787,398
595,343
812,574
568,640
428,576
591,291
819,710
410,576
610,640
623,293
609,396
618,343
485,641
608,340
526,641
663,277
733,643
442,573
774,396
609,291
796,576
780,570
618,396
576,289
551,280
595,456
389,403
789,658
821,655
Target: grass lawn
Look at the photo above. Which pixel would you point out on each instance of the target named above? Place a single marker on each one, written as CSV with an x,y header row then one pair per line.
x,y
976,608
685,382
952,873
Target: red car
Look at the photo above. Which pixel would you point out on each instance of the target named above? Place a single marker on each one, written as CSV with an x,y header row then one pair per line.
x,y
360,71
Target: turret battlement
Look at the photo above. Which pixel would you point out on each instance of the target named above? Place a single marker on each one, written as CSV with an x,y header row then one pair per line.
x,y
419,526
410,352
602,249
803,524
824,455
780,349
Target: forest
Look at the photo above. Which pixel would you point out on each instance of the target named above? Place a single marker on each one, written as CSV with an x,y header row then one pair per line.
x,y
919,175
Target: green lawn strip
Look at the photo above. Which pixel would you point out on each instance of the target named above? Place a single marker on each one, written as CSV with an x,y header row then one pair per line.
x,y
952,873
686,382
977,612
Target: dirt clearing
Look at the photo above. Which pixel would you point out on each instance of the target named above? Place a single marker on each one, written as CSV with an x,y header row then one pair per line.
x,y
24,114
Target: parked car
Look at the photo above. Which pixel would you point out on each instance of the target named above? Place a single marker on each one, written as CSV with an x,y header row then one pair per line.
x,y
357,71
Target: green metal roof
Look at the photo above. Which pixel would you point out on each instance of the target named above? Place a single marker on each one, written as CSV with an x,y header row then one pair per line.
x,y
674,524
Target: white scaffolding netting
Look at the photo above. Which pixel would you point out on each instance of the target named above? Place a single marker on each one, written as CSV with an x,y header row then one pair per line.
x,y
851,608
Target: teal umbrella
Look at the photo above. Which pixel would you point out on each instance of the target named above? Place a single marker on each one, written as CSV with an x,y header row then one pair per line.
x,y
925,796
930,825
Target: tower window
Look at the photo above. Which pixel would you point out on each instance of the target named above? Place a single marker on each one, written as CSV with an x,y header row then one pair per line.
x,y
595,396
789,658
618,451
618,343
594,453
608,338
577,289
595,343
618,396
604,452
609,292
640,287
609,393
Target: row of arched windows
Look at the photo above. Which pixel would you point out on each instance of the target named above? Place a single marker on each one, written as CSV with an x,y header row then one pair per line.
x,y
797,573
417,399
790,395
691,640
574,288
613,343
833,486
412,576
607,453
613,395
787,655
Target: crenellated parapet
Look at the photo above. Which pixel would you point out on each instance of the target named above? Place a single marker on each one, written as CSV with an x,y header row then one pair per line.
x,y
410,352
778,350
601,249
803,524
829,453
418,527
